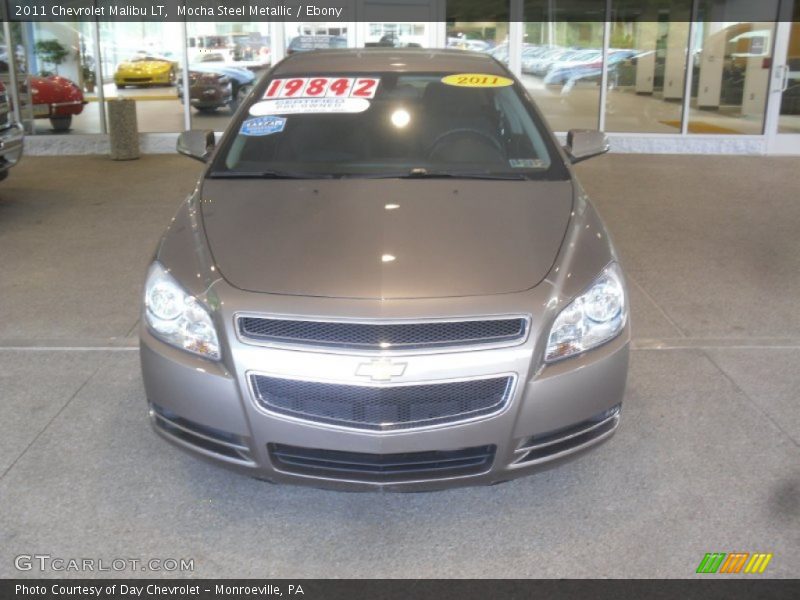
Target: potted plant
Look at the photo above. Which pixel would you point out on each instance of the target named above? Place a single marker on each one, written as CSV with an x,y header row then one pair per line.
x,y
51,52
88,74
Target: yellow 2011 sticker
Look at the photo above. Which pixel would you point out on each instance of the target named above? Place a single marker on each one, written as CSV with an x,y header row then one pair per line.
x,y
477,80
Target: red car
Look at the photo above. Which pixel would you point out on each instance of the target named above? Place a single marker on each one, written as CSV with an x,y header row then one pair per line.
x,y
56,98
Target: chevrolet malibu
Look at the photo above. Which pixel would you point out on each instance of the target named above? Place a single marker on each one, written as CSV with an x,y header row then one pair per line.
x,y
387,277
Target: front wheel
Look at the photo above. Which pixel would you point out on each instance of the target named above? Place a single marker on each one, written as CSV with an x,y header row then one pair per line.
x,y
3,174
61,123
239,94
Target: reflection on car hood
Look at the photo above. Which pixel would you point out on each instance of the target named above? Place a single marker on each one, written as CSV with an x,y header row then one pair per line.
x,y
362,238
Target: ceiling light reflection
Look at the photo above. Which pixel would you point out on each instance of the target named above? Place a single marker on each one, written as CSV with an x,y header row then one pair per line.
x,y
400,118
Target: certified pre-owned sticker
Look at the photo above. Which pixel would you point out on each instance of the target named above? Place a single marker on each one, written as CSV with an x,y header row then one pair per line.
x,y
292,106
477,80
259,126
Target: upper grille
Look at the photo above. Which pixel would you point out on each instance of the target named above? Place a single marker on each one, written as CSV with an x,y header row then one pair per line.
x,y
383,408
382,336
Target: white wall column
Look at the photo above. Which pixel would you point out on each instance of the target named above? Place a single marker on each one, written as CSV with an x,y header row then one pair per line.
x,y
277,40
756,75
709,90
676,63
647,35
516,36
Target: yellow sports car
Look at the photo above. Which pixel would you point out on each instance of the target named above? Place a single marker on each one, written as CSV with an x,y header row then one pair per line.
x,y
146,70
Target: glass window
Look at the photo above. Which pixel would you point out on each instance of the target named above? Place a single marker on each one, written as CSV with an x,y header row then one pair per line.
x,y
302,37
732,66
647,66
143,61
790,103
562,61
225,61
490,37
414,125
56,77
397,35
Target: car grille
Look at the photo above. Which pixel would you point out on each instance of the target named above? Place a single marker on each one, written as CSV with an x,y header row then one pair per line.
x,y
381,468
4,109
382,336
137,79
382,408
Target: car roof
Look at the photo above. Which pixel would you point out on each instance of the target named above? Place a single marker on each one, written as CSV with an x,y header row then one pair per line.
x,y
405,60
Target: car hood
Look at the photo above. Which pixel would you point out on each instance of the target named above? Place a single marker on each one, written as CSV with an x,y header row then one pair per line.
x,y
240,75
360,238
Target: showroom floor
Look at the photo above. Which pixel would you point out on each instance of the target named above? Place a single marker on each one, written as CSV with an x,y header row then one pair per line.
x,y
707,458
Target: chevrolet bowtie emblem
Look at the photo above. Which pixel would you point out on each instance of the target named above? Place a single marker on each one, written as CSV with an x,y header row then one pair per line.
x,y
382,369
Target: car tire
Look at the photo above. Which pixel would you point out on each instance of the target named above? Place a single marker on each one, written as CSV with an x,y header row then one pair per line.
x,y
207,110
120,86
61,123
239,94
3,174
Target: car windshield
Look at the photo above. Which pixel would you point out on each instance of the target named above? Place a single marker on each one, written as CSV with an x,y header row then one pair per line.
x,y
388,125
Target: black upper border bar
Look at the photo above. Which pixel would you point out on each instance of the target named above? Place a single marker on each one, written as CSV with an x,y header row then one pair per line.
x,y
344,11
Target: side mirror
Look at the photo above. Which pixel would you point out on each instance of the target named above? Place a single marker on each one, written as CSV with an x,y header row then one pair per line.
x,y
585,143
197,144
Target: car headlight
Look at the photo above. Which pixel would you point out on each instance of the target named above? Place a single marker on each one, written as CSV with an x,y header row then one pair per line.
x,y
176,317
592,319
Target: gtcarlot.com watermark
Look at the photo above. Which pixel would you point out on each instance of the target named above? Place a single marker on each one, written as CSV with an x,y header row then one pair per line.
x,y
47,563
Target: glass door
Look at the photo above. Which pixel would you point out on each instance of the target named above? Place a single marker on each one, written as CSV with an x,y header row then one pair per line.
x,y
785,106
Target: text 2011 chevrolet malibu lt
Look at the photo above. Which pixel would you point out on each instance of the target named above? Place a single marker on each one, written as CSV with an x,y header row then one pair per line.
x,y
388,276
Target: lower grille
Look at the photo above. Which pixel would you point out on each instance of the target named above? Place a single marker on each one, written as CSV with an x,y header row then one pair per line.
x,y
381,468
552,445
205,439
382,408
382,336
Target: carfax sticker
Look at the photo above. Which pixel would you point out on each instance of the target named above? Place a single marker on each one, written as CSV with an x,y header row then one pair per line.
x,y
323,87
259,126
526,163
477,80
292,106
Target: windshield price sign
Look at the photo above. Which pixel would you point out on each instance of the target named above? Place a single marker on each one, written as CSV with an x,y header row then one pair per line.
x,y
323,87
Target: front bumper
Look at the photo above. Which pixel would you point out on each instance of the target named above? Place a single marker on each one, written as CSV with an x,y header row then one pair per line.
x,y
143,79
11,143
204,96
554,413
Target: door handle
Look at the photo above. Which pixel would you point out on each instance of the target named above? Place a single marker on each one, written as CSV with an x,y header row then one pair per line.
x,y
785,83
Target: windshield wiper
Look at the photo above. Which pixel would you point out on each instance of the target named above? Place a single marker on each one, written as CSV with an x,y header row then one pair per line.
x,y
422,173
267,175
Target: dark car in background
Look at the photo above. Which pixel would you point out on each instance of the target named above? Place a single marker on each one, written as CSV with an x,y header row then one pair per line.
x,y
214,85
11,136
